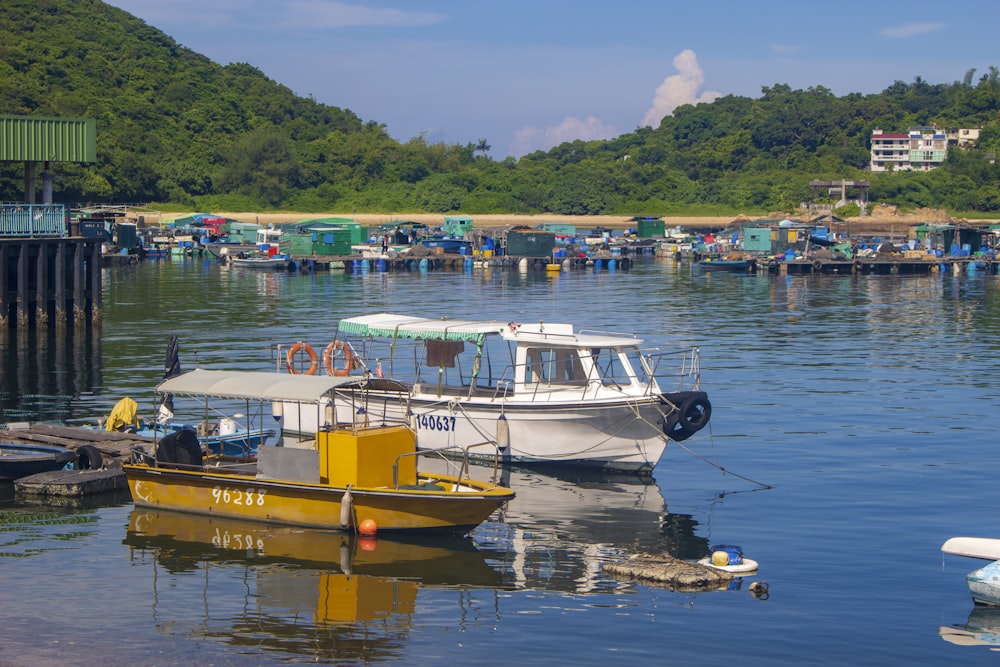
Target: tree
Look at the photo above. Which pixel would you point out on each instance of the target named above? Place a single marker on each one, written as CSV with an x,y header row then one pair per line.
x,y
482,147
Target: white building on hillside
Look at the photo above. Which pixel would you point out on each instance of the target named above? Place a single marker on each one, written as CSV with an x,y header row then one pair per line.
x,y
921,148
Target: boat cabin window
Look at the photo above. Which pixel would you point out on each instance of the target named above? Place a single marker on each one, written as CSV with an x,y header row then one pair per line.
x,y
555,366
610,368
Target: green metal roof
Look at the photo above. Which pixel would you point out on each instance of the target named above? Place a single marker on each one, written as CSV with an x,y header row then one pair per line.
x,y
41,139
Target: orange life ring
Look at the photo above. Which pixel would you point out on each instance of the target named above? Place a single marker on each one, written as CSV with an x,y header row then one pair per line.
x,y
294,350
332,349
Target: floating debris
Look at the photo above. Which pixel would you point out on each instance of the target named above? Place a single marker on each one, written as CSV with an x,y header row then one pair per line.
x,y
678,575
729,557
760,590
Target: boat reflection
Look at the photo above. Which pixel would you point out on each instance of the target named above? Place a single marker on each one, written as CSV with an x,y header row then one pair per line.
x,y
982,628
563,525
294,590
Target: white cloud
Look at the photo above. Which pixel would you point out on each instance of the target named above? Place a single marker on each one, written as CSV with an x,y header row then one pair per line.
x,y
332,14
679,89
784,50
532,139
911,30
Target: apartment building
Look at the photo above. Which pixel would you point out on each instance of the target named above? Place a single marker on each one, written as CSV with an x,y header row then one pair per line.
x,y
921,148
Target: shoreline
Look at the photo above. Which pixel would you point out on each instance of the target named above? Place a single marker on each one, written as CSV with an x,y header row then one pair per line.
x,y
894,225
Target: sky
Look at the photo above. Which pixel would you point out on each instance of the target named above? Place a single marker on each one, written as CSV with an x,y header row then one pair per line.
x,y
527,75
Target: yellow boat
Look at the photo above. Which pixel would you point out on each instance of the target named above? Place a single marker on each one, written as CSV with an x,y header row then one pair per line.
x,y
361,476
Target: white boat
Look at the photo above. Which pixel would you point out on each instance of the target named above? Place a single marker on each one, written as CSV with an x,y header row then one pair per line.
x,y
984,583
544,393
275,263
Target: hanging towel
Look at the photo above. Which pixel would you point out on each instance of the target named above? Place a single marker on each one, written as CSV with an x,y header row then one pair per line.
x,y
442,353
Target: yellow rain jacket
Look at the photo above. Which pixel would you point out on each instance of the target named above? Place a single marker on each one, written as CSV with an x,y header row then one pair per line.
x,y
123,414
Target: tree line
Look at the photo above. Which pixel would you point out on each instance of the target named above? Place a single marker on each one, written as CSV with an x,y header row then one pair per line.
x,y
176,128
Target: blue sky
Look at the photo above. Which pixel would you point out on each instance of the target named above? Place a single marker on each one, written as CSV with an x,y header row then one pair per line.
x,y
528,75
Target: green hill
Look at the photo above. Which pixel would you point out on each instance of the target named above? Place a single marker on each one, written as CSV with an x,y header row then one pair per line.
x,y
175,127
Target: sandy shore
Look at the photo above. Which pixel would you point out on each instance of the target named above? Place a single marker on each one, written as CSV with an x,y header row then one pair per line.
x,y
435,219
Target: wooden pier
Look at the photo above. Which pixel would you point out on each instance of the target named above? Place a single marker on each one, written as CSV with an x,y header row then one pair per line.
x,y
113,446
46,276
882,266
98,477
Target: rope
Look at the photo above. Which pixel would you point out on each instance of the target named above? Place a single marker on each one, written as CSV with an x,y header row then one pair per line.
x,y
711,463
723,468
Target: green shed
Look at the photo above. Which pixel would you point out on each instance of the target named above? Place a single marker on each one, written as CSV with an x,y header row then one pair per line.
x,y
331,240
530,243
757,239
359,234
649,228
457,225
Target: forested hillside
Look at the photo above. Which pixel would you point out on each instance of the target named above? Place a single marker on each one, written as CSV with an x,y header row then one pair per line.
x,y
175,127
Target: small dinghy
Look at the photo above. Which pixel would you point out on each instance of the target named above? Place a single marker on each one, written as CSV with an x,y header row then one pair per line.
x,y
21,460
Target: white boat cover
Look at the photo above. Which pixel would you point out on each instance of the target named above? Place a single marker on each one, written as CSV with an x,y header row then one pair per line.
x,y
251,385
388,325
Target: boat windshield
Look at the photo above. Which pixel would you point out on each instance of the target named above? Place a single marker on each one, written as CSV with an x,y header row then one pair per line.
x,y
561,366
613,366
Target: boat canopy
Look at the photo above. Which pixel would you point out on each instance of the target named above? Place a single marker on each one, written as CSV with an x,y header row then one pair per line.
x,y
264,386
387,325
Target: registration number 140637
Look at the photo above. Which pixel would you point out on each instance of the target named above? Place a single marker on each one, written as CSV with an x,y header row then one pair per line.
x,y
436,422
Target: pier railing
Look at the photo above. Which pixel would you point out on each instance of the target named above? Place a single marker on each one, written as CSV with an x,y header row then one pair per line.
x,y
32,220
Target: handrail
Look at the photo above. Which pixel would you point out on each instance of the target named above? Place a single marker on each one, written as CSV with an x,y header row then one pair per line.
x,y
463,471
32,220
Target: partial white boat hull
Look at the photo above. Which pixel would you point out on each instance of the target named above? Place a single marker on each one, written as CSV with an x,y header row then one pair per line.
x,y
610,436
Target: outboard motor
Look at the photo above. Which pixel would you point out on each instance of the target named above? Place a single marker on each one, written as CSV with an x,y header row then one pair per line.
x,y
179,449
687,413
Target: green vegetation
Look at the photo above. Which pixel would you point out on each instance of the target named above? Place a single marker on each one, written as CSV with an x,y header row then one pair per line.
x,y
175,127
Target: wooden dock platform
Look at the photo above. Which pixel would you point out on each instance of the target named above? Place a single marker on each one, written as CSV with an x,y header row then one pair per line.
x,y
883,266
113,446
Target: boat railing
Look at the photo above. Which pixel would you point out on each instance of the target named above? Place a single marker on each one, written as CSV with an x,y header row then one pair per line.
x,y
602,332
449,455
684,371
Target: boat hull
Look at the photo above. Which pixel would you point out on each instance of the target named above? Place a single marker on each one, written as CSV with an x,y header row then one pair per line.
x,y
271,264
313,505
984,584
610,436
17,461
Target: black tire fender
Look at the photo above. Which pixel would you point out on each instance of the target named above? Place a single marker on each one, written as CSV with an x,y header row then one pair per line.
x,y
690,412
89,457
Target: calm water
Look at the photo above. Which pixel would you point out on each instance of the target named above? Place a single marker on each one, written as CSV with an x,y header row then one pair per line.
x,y
856,417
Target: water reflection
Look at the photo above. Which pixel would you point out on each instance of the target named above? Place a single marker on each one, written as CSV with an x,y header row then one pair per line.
x,y
982,629
564,525
337,597
42,372
331,596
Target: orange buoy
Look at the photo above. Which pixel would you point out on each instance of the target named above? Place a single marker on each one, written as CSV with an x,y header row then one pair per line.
x,y
293,351
368,527
350,362
367,543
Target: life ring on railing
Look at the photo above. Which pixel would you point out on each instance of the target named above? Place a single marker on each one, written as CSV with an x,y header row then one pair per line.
x,y
349,362
294,350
